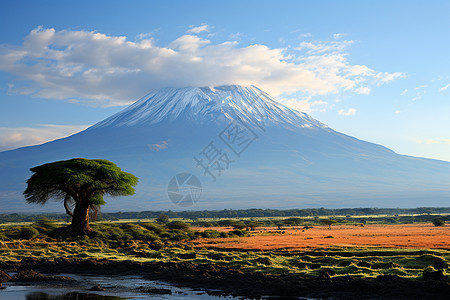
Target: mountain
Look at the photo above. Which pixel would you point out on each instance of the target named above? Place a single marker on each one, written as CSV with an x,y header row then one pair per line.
x,y
233,147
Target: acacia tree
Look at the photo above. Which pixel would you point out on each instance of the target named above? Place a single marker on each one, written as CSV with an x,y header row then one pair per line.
x,y
81,184
329,222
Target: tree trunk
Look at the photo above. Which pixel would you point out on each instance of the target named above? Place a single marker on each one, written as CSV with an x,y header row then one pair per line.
x,y
80,220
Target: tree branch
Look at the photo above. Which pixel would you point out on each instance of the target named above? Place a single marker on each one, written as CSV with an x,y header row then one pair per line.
x,y
66,205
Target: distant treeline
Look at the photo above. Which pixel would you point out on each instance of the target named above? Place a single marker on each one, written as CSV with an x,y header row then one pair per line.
x,y
237,213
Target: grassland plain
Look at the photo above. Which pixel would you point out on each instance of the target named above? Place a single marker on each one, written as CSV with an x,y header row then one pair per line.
x,y
345,252
415,236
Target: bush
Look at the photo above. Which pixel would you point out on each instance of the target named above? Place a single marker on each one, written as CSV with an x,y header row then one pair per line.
x,y
239,225
438,222
430,273
162,219
178,225
239,232
28,233
252,225
293,221
226,223
440,264
210,234
154,227
264,261
175,235
139,233
205,224
156,245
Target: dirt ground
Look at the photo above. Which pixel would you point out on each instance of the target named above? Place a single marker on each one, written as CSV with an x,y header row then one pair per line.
x,y
415,236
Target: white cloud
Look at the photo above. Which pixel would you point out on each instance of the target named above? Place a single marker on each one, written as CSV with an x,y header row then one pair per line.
x,y
348,112
324,46
405,91
363,90
305,35
305,105
397,111
236,36
159,146
419,92
97,69
147,35
338,35
385,77
444,88
421,87
198,29
433,142
11,138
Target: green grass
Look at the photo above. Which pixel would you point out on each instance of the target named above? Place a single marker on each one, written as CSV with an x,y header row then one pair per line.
x,y
147,241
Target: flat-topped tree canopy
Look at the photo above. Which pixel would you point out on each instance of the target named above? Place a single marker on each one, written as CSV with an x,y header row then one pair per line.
x,y
80,182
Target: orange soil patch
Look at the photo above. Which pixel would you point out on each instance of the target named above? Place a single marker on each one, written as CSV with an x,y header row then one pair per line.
x,y
390,236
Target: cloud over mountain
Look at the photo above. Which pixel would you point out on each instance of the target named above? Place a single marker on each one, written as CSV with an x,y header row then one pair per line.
x,y
99,69
11,138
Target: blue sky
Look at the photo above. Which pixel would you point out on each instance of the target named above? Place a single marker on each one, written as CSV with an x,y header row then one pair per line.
x,y
376,70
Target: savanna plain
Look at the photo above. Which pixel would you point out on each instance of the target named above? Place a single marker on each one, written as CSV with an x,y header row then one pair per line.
x,y
338,257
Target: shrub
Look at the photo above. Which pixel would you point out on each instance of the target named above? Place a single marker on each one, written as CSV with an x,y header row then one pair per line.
x,y
162,219
205,224
156,245
253,225
216,256
178,225
438,222
176,235
239,232
226,223
28,233
429,273
440,264
158,229
239,225
223,234
264,261
140,233
293,221
210,234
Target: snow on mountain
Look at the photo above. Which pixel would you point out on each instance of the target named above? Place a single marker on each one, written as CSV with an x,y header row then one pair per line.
x,y
205,104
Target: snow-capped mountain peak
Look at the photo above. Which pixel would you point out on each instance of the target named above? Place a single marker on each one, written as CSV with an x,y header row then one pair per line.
x,y
206,104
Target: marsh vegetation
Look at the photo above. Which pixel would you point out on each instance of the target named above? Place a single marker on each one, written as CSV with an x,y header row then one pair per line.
x,y
176,241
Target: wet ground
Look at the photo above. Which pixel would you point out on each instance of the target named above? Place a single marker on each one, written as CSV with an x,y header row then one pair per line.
x,y
185,280
94,287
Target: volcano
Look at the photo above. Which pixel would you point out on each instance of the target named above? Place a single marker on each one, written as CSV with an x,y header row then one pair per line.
x,y
233,147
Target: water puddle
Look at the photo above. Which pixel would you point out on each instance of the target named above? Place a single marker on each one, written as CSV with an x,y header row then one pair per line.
x,y
111,288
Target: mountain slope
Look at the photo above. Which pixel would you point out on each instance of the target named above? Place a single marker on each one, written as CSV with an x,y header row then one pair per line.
x,y
266,155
